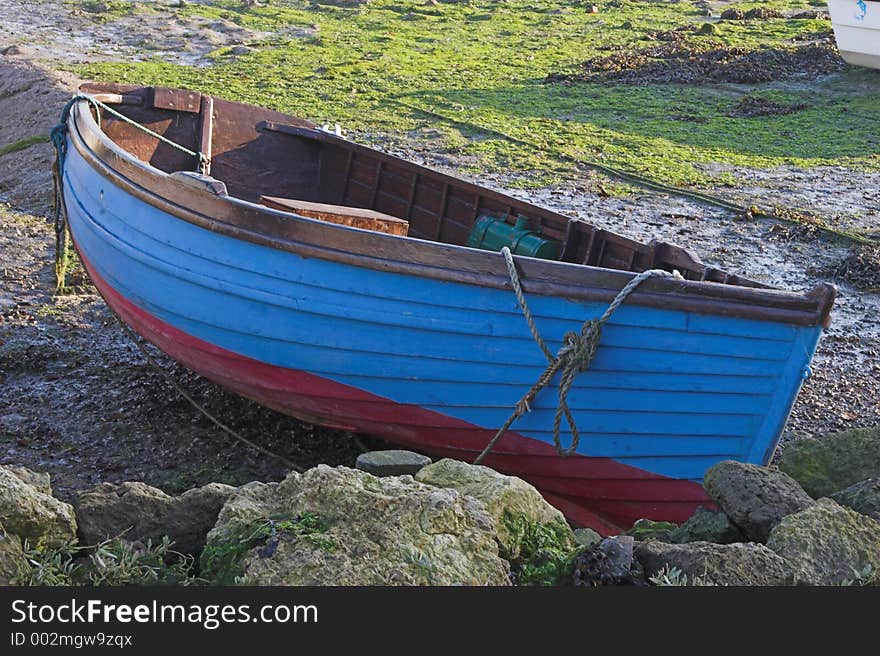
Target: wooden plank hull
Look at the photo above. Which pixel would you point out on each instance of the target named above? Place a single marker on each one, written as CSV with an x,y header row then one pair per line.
x,y
437,364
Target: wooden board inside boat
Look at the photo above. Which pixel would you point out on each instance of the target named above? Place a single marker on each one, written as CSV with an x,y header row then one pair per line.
x,y
340,214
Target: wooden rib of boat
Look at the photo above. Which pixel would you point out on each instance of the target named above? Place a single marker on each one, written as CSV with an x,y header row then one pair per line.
x,y
856,26
419,339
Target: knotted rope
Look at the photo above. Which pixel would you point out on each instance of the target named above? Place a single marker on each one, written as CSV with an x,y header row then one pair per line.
x,y
58,137
574,357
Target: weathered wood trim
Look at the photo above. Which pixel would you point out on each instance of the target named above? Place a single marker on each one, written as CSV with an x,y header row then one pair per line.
x,y
206,119
289,232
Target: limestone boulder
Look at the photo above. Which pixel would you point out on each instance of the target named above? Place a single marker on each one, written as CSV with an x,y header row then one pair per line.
x,y
38,480
511,501
14,566
610,562
341,526
139,512
705,563
586,538
707,526
32,515
863,497
827,544
829,464
754,498
248,505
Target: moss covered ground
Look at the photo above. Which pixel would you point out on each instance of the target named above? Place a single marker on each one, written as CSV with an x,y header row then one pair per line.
x,y
372,67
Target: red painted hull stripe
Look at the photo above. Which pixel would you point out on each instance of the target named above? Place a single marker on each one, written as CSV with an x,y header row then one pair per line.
x,y
596,492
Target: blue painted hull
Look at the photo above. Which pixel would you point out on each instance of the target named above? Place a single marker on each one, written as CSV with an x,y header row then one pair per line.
x,y
669,393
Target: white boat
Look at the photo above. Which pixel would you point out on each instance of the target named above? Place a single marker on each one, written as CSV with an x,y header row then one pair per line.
x,y
857,28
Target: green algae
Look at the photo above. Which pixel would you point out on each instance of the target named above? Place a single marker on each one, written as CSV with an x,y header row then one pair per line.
x,y
23,144
372,68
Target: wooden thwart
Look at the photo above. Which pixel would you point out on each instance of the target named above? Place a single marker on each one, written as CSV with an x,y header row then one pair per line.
x,y
340,214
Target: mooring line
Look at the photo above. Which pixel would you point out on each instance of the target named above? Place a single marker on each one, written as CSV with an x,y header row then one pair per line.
x,y
152,361
573,358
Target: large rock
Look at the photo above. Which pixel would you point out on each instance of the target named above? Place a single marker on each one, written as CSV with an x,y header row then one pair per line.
x,y
139,512
829,464
14,567
586,538
193,514
755,498
827,544
715,564
33,516
863,497
40,481
510,501
707,526
131,510
245,506
340,526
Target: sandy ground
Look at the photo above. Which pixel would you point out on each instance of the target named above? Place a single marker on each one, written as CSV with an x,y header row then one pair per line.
x,y
77,399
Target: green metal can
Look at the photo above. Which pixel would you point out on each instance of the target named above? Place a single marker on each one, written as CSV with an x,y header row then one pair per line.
x,y
492,234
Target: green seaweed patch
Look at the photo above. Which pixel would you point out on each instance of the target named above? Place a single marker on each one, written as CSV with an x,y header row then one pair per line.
x,y
540,553
222,564
647,529
23,144
370,69
104,11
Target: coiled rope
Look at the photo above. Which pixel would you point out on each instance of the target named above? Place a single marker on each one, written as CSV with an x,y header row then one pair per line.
x,y
574,357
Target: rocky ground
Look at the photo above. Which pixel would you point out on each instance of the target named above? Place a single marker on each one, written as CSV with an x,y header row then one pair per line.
x,y
399,519
78,400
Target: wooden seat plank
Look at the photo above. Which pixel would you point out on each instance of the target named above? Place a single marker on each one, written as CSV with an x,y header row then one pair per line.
x,y
356,217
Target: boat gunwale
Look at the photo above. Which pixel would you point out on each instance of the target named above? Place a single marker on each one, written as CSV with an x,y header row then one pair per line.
x,y
290,232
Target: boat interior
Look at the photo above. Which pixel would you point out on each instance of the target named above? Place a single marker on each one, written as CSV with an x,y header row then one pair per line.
x,y
290,164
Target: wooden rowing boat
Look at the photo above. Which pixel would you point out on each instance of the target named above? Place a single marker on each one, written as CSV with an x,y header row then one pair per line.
x,y
418,339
